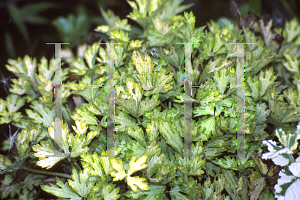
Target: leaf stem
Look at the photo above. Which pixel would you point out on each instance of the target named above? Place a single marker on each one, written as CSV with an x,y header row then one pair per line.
x,y
47,173
185,178
139,120
163,105
291,158
76,165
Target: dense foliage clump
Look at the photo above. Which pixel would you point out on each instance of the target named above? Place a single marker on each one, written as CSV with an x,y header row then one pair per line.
x,y
150,123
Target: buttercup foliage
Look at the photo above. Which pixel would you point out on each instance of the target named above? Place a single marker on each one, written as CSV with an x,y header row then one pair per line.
x,y
149,79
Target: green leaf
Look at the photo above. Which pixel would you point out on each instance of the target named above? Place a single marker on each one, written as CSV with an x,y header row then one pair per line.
x,y
192,165
218,43
27,194
152,130
79,66
262,167
292,63
18,20
212,190
136,148
155,193
46,70
30,12
22,67
83,113
266,31
292,30
80,186
291,96
28,137
83,89
41,114
234,163
145,69
208,109
9,108
93,164
81,140
180,189
124,120
261,113
190,20
137,133
120,53
153,165
150,83
159,171
222,78
267,80
292,116
45,88
119,36
266,196
231,184
281,112
256,185
9,45
49,156
207,127
172,136
110,17
255,6
73,29
107,191
4,162
260,56
212,169
212,67
131,100
21,188
215,146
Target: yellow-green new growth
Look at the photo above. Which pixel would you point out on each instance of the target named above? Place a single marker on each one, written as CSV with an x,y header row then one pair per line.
x,y
49,156
134,166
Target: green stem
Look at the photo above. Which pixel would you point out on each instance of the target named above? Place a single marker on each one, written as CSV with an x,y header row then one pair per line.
x,y
291,158
163,105
76,165
138,120
47,173
185,178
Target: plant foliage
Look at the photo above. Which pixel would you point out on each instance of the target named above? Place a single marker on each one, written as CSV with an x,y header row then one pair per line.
x,y
149,159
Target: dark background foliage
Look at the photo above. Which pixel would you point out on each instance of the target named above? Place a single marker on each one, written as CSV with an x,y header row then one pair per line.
x,y
14,44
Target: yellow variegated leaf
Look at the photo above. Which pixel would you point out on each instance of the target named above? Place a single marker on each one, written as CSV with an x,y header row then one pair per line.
x,y
80,128
145,69
118,166
47,154
135,182
138,165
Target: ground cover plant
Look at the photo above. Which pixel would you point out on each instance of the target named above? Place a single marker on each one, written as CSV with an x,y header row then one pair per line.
x,y
150,123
